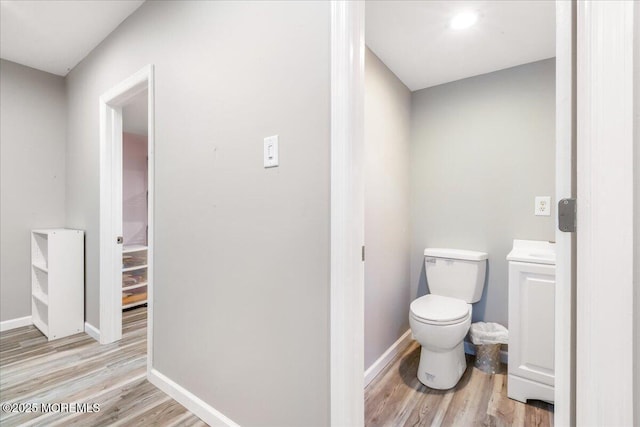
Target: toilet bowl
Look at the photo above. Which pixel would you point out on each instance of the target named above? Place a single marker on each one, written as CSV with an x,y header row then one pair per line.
x,y
440,324
440,320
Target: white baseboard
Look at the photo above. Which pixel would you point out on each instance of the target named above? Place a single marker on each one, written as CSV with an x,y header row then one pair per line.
x,y
7,325
92,331
197,406
387,356
469,348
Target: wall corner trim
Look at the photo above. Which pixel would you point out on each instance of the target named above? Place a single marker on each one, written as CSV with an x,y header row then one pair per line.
x,y
92,331
396,348
7,325
197,406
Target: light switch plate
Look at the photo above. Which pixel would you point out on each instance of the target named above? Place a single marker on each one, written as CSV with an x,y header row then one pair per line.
x,y
271,151
543,206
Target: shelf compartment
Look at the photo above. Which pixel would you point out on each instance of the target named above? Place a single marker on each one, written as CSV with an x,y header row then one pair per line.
x,y
41,297
40,250
40,315
134,256
40,280
131,299
134,276
38,323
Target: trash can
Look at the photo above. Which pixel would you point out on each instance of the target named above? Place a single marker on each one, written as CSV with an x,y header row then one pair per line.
x,y
488,337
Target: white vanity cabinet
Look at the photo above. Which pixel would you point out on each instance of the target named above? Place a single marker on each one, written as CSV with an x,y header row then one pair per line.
x,y
531,320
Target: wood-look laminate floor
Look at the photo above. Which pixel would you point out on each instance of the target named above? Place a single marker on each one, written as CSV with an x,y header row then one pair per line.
x,y
396,398
77,369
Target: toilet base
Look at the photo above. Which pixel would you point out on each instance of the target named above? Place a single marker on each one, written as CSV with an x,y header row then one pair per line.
x,y
442,370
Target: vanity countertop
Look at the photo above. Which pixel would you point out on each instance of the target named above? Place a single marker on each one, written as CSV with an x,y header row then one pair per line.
x,y
533,251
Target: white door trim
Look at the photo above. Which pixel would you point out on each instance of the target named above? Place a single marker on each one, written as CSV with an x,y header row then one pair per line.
x,y
151,156
347,214
604,309
111,103
110,326
564,388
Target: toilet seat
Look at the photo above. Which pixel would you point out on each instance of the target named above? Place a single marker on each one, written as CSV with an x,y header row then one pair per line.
x,y
439,310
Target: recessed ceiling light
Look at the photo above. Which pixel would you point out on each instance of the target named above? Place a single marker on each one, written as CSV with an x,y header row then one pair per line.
x,y
464,20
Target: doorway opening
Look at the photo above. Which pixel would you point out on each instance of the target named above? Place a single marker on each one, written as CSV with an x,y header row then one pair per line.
x,y
134,206
349,174
135,221
126,204
460,116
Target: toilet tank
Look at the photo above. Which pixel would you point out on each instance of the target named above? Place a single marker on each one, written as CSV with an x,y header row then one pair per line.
x,y
456,273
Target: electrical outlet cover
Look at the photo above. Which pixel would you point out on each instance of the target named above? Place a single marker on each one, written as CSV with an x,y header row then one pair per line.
x,y
543,206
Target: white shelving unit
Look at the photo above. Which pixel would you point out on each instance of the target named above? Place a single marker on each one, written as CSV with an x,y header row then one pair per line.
x,y
57,281
134,276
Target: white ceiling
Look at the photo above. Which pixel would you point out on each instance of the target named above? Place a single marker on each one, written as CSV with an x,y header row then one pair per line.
x,y
54,35
414,40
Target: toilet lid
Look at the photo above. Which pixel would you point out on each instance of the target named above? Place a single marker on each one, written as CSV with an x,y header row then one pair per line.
x,y
436,308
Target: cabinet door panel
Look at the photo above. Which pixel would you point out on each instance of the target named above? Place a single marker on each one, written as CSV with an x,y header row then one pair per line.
x,y
531,321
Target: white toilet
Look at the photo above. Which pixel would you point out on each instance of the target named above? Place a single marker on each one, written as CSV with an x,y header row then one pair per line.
x,y
440,320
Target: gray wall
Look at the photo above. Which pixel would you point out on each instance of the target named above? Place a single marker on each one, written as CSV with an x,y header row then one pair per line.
x,y
387,146
482,149
32,145
241,307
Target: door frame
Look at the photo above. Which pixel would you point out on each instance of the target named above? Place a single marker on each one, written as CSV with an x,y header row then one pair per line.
x,y
347,211
606,217
111,103
565,169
